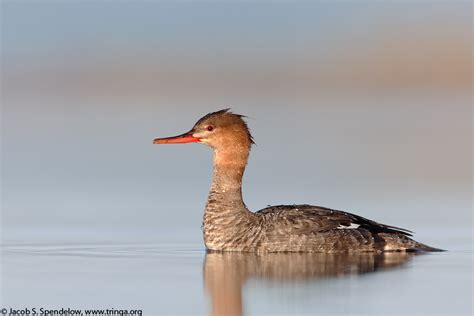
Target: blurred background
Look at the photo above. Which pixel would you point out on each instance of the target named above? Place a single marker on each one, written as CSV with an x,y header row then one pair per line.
x,y
364,107
361,106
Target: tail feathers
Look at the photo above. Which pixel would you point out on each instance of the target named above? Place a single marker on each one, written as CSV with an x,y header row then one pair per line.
x,y
399,242
425,248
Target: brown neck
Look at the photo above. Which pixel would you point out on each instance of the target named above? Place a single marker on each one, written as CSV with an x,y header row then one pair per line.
x,y
225,209
229,167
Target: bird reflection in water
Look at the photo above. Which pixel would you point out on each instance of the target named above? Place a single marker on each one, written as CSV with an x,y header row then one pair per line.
x,y
225,273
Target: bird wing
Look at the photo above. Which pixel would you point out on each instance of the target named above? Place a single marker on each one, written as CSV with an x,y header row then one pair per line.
x,y
320,219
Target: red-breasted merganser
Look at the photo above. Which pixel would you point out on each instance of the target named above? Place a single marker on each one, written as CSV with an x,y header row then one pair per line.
x,y
229,225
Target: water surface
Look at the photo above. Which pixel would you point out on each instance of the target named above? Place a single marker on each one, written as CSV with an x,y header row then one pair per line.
x,y
163,278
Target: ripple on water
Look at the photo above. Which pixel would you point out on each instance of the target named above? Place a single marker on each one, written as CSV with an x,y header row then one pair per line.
x,y
104,250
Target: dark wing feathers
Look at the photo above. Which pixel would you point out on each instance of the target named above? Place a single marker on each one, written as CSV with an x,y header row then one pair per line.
x,y
327,219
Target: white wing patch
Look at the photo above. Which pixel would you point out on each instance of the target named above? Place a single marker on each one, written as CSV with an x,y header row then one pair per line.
x,y
351,226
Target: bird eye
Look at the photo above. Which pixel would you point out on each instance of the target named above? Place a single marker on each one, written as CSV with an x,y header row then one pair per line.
x,y
210,128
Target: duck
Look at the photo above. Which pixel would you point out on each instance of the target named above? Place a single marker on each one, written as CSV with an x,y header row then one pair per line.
x,y
228,224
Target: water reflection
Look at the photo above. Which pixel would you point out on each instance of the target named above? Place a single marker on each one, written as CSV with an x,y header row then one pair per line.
x,y
226,273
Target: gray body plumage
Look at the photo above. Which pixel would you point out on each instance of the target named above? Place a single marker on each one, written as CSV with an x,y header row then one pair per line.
x,y
229,226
